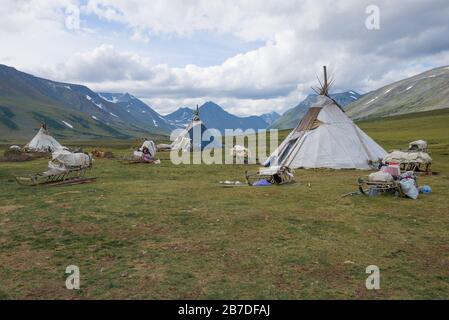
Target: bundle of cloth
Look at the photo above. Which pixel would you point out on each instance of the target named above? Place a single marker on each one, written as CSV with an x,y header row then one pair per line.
x,y
240,152
408,157
146,152
418,145
416,153
63,160
407,180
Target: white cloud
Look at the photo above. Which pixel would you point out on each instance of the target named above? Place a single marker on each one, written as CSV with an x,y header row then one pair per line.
x,y
298,38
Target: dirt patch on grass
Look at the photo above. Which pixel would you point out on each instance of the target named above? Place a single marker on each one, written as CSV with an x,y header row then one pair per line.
x,y
9,209
25,258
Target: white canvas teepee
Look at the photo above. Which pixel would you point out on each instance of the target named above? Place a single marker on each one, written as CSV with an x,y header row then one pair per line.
x,y
190,138
43,142
326,138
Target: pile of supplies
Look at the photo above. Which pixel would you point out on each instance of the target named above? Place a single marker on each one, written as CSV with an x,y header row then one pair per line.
x,y
147,152
416,158
391,175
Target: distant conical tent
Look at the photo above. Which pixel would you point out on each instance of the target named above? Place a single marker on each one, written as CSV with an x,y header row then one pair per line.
x,y
190,138
43,142
326,138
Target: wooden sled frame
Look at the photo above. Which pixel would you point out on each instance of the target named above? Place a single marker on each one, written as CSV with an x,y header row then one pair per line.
x,y
283,176
383,187
70,176
137,161
417,167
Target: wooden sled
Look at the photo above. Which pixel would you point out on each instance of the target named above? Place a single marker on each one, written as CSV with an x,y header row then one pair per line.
x,y
425,168
392,187
281,175
133,160
70,176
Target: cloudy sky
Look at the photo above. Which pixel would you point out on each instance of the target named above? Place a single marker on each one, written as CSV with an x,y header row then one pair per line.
x,y
249,56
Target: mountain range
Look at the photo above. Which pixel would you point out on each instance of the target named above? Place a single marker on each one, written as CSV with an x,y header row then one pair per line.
x,y
214,116
271,117
75,112
71,111
292,116
139,110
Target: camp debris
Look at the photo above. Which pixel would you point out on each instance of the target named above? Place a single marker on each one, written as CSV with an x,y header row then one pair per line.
x,y
416,158
43,142
163,147
240,154
327,138
418,145
273,175
389,179
232,183
191,138
145,154
98,153
64,168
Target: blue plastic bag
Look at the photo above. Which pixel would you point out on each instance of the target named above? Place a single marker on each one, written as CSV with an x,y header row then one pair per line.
x,y
261,183
425,189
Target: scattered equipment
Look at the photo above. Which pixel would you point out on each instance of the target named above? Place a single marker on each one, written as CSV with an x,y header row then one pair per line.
x,y
401,185
240,154
65,168
145,154
273,175
416,158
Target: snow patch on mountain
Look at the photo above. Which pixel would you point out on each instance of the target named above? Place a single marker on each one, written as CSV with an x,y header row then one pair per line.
x,y
67,124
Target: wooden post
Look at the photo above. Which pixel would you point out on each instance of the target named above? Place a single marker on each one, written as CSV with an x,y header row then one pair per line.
x,y
325,77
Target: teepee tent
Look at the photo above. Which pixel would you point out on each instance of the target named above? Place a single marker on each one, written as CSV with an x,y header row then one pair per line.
x,y
326,138
43,142
190,138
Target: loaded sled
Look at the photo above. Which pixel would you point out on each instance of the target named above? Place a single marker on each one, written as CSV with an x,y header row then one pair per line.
x,y
65,168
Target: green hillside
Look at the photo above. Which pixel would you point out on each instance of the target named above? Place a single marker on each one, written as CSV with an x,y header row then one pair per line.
x,y
423,92
71,111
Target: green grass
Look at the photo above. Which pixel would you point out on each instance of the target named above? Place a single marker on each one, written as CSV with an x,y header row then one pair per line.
x,y
163,232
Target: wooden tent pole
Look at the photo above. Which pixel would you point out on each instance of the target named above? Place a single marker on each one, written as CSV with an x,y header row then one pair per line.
x,y
325,77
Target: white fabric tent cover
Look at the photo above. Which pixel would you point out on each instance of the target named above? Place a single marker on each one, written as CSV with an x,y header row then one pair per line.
x,y
70,159
150,145
418,145
62,160
43,142
239,151
335,143
181,143
184,143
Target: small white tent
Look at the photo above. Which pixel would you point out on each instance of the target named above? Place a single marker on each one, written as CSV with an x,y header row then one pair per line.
x,y
326,138
43,142
191,138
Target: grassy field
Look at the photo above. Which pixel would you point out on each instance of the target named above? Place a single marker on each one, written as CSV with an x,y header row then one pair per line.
x,y
166,231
